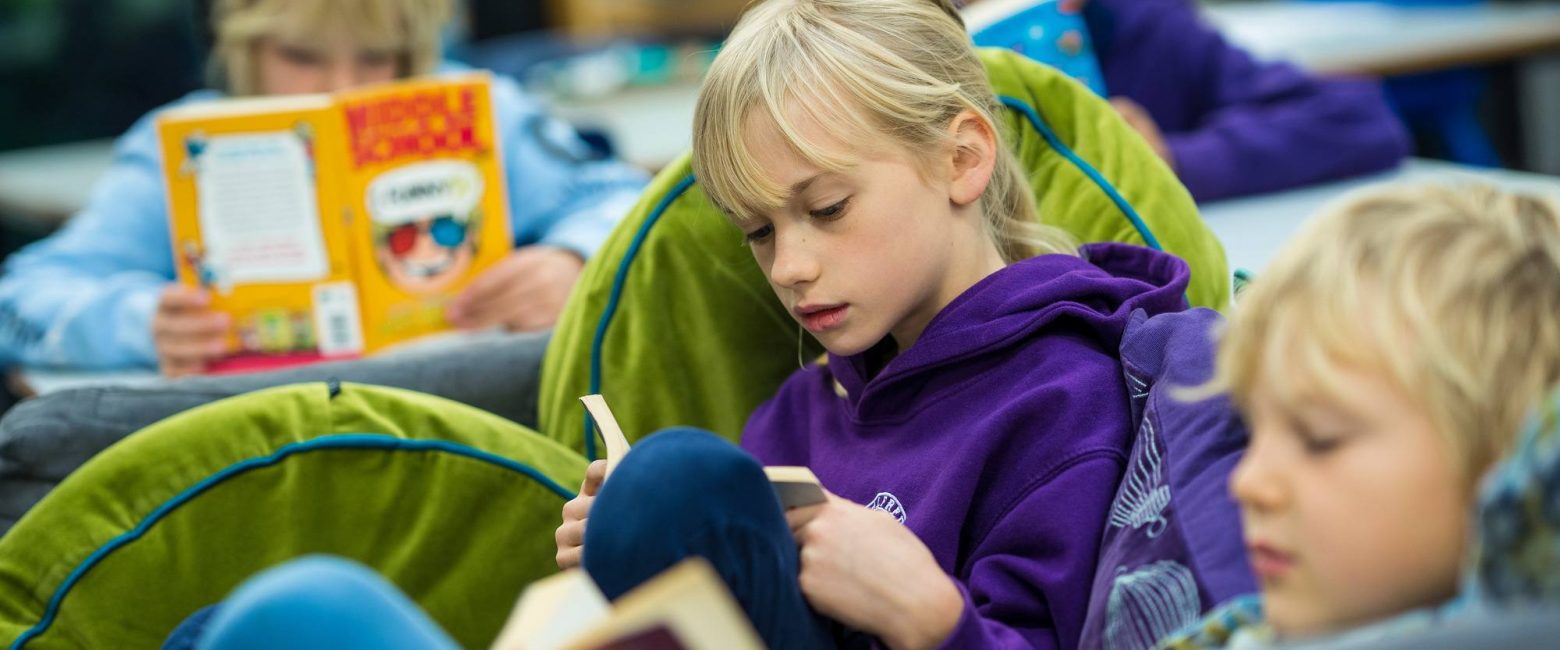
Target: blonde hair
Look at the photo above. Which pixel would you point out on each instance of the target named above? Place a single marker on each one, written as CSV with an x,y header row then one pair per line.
x,y
408,27
1452,294
902,69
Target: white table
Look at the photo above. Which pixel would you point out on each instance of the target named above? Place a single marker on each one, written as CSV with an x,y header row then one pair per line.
x,y
45,185
1368,37
650,126
1254,228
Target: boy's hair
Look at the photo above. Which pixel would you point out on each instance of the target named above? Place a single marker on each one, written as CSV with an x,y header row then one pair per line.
x,y
1450,293
902,69
409,28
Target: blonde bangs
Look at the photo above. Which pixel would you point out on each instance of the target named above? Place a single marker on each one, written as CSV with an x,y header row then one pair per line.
x,y
744,91
865,74
1296,329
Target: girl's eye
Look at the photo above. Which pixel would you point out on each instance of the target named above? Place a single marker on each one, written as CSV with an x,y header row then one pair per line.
x,y
832,212
758,236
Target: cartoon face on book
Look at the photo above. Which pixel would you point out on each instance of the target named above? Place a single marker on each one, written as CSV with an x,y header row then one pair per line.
x,y
426,221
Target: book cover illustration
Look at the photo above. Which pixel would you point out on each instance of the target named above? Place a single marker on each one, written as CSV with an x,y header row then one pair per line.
x,y
334,226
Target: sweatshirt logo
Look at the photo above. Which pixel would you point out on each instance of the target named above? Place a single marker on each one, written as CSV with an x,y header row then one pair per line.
x,y
888,503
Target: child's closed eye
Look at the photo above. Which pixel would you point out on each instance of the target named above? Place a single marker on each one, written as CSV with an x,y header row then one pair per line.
x,y
1316,442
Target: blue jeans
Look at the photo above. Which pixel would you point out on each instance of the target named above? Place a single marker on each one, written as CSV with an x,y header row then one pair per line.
x,y
313,602
681,493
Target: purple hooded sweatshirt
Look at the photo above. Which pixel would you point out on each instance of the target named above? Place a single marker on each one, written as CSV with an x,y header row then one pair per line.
x,y
999,437
1233,124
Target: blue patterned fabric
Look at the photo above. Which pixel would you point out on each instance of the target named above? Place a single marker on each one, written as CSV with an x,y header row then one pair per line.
x,y
1517,558
1051,32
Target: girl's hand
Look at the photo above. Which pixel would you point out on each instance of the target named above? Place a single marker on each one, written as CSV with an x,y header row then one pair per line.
x,y
571,535
863,568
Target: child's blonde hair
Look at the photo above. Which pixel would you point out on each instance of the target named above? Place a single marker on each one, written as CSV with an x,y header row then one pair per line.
x,y
410,28
899,68
1452,294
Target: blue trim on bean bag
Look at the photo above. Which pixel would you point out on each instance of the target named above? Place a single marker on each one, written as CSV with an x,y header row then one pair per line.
x,y
1088,170
617,293
335,441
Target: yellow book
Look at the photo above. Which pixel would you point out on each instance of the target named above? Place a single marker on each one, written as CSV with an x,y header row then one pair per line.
x,y
332,226
686,607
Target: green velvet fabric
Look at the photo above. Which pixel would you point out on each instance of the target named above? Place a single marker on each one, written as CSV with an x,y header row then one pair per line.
x,y
699,339
460,534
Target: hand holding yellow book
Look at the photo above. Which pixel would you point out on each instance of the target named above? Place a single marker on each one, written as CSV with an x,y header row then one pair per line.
x,y
331,226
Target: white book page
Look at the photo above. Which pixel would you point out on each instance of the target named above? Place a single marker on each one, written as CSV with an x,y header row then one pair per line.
x,y
258,213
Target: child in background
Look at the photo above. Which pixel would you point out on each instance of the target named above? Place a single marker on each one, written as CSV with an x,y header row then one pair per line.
x,y
1384,361
101,294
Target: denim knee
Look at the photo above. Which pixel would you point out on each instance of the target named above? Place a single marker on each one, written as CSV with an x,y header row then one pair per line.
x,y
679,477
670,497
318,601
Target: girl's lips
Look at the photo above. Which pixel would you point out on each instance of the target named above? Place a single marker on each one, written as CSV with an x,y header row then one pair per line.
x,y
824,319
1268,562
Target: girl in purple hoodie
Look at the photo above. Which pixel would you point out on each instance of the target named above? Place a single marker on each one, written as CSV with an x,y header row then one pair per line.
x,y
971,420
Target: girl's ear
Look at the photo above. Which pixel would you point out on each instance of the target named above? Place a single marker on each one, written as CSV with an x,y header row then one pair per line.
x,y
974,157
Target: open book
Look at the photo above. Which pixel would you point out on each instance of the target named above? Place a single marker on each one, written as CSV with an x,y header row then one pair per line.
x,y
686,607
796,486
331,226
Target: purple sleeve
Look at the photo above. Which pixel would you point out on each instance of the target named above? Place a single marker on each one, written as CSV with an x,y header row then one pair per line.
x,y
1235,125
1027,582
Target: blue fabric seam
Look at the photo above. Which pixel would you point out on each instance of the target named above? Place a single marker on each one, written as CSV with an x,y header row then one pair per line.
x,y
618,283
334,441
1087,169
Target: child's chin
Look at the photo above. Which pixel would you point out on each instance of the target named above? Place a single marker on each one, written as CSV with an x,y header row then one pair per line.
x,y
843,346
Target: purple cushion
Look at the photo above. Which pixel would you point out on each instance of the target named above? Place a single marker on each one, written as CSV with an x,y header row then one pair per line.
x,y
1172,547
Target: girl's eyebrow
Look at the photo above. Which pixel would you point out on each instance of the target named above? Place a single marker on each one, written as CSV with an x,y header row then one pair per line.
x,y
800,186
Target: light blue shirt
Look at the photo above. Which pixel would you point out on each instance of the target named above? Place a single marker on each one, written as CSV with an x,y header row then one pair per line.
x,y
84,297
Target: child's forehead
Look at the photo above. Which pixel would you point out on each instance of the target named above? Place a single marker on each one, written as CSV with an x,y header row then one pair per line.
x,y
1304,371
797,140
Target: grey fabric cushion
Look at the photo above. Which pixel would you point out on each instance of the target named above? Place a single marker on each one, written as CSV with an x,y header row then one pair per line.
x,y
43,440
1526,628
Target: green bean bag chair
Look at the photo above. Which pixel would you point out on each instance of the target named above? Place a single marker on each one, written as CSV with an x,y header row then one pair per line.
x,y
456,506
676,325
